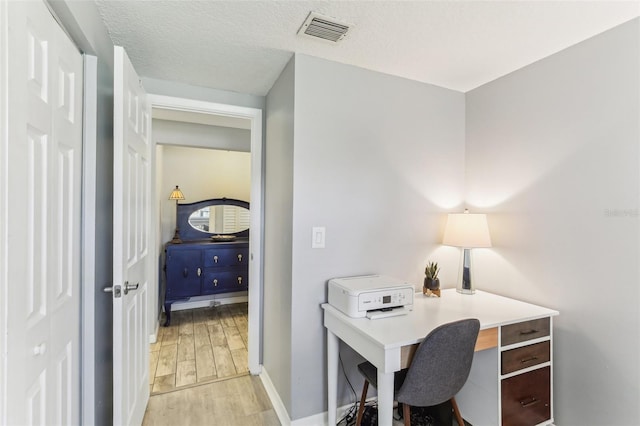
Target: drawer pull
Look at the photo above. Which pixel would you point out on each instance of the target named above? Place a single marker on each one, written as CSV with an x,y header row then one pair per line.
x,y
215,259
526,333
239,258
199,271
239,280
185,273
215,282
526,360
529,402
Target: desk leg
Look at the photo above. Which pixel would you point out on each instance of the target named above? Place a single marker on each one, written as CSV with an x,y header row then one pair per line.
x,y
385,398
332,377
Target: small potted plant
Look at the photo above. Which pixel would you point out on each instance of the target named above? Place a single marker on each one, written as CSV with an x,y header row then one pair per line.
x,y
431,281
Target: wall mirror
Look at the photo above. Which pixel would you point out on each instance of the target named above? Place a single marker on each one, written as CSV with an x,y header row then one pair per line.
x,y
220,219
217,216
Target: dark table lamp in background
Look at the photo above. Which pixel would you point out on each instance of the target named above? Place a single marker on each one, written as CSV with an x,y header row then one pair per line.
x,y
177,195
467,231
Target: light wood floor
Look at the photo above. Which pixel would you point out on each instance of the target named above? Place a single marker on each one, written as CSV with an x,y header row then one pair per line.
x,y
238,401
200,346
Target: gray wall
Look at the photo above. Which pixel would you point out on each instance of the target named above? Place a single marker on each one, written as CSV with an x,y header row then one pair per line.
x,y
377,160
278,227
553,154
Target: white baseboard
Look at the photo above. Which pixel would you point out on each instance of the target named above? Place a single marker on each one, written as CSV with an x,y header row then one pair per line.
x,y
153,337
319,419
207,301
274,396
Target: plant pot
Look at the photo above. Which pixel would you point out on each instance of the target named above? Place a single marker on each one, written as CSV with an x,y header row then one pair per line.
x,y
431,284
431,287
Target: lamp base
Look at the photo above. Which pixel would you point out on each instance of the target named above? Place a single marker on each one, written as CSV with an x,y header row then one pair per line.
x,y
465,290
465,281
176,237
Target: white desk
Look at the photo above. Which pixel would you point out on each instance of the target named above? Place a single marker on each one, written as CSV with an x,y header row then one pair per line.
x,y
387,342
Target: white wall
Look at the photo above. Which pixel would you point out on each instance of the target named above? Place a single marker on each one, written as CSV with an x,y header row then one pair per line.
x,y
378,160
553,155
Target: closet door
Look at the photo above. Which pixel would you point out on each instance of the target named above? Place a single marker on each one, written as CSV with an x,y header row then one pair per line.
x,y
40,207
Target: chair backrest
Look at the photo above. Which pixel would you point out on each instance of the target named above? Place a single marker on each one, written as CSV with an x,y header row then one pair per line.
x,y
441,364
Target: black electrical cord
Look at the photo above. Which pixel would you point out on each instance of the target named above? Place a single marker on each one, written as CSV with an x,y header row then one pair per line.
x,y
348,416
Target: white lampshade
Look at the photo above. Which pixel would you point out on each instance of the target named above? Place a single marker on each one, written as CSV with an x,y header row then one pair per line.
x,y
467,230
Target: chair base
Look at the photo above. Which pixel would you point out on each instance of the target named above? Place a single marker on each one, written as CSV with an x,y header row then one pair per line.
x,y
406,409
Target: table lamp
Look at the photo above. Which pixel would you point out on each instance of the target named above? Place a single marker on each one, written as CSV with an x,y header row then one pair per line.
x,y
177,195
467,231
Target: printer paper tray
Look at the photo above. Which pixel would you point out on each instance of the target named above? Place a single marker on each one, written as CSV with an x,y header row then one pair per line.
x,y
393,312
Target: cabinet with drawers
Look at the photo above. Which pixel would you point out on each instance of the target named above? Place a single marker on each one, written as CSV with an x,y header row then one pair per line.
x,y
511,380
199,268
525,373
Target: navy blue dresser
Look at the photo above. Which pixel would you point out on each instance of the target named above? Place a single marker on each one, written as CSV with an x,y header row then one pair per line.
x,y
198,268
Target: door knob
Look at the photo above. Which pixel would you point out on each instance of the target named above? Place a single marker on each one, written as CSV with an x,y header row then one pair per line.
x,y
116,290
130,287
40,349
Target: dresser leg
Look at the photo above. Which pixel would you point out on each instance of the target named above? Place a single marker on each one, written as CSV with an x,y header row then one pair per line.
x,y
167,311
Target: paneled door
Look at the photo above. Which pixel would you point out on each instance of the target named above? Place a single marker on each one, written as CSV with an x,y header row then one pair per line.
x,y
132,263
40,208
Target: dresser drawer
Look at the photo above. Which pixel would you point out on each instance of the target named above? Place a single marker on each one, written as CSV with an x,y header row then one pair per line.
x,y
526,356
225,257
523,331
526,398
220,280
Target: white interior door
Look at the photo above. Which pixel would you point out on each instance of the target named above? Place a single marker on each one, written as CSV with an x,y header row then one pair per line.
x,y
132,264
41,205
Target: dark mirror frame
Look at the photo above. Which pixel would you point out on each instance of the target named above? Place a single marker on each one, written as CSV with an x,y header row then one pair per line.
x,y
189,233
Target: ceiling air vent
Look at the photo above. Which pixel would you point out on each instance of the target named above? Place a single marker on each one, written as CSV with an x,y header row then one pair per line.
x,y
324,27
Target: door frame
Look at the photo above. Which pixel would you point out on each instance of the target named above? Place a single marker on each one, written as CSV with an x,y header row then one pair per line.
x,y
256,236
89,213
4,203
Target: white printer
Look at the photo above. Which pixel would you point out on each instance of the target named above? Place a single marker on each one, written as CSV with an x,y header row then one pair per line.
x,y
373,296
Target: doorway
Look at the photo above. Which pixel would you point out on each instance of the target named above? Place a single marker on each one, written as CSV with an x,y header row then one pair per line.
x,y
178,106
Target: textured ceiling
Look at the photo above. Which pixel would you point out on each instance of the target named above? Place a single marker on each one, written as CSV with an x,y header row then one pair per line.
x,y
243,46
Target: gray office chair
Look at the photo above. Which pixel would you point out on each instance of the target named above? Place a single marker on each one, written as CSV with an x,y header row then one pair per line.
x,y
439,369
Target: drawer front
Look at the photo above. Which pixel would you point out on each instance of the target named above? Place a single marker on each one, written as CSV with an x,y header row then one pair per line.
x,y
224,280
526,356
226,257
526,398
523,331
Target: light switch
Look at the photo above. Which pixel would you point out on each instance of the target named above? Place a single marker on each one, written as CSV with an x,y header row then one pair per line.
x,y
317,237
